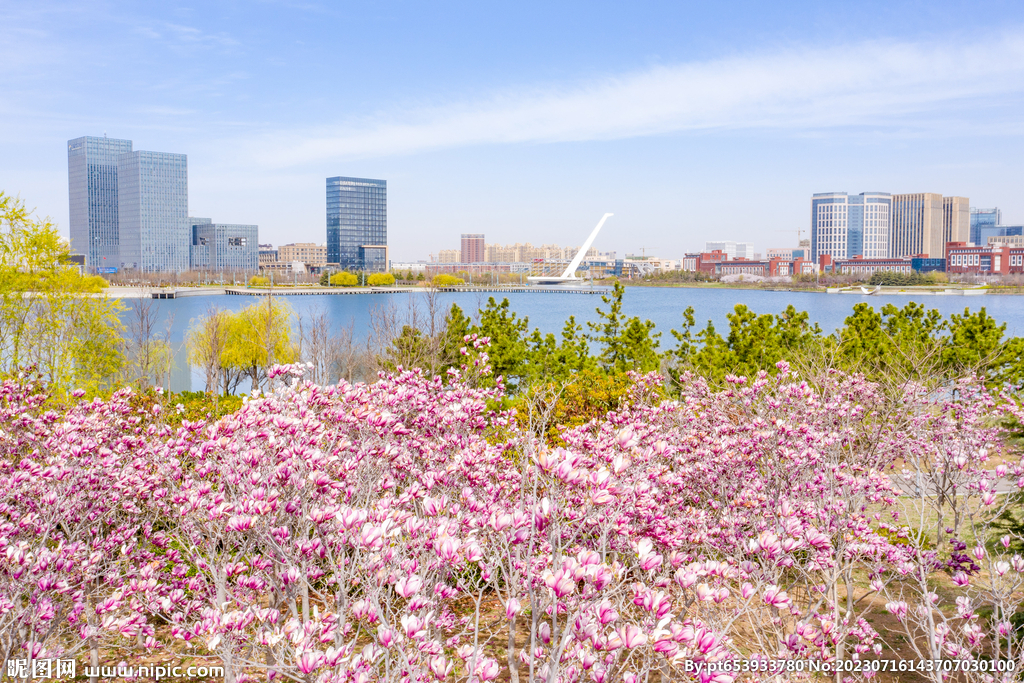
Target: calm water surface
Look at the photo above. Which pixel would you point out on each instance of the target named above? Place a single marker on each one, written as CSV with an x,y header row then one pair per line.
x,y
664,306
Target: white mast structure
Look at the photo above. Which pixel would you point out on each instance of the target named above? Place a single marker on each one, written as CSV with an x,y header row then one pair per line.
x,y
569,275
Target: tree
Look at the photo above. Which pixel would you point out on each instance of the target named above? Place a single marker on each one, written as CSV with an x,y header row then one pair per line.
x,y
259,336
755,343
206,343
380,279
148,354
259,281
507,350
45,320
551,361
628,343
344,280
445,280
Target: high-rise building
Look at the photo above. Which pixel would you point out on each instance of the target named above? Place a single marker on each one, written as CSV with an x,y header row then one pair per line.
x,y
844,225
473,248
128,209
357,223
918,225
152,215
92,195
223,246
982,218
956,220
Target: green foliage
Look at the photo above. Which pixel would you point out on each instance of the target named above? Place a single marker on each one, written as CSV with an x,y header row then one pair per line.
x,y
259,281
588,395
420,277
507,332
380,280
325,279
229,346
445,280
628,343
891,279
206,343
74,341
258,337
755,343
344,280
551,361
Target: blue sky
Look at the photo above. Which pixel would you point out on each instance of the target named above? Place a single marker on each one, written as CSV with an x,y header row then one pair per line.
x,y
526,121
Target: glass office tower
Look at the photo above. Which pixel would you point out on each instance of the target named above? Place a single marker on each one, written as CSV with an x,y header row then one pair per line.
x,y
152,189
357,223
92,199
983,218
223,246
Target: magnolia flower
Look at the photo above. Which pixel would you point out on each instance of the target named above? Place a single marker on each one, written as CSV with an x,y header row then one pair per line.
x,y
631,636
409,586
775,596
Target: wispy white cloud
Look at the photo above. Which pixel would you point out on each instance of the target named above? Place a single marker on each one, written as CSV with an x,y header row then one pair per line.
x,y
182,35
872,83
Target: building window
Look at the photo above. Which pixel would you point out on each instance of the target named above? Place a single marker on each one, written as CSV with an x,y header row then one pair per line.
x,y
236,241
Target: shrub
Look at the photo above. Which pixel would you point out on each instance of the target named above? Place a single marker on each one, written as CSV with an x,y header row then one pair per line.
x,y
445,280
380,280
259,281
344,280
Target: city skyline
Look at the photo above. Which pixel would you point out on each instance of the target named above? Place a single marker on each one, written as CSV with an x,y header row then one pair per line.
x,y
691,123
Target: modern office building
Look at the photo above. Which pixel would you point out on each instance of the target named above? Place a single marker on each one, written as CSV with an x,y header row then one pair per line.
x,y
844,225
956,220
128,209
924,222
473,248
223,246
993,233
357,223
92,195
152,214
981,218
733,250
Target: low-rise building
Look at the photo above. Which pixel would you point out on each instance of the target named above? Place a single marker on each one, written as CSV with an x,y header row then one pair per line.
x,y
990,259
267,254
859,265
309,253
409,267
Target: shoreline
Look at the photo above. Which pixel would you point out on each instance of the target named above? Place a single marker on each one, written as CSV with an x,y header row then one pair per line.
x,y
597,288
927,290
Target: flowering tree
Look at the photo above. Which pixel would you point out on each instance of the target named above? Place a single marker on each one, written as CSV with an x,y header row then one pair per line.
x,y
409,530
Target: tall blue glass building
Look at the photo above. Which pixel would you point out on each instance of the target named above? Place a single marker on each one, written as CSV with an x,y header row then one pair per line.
x,y
357,223
152,191
983,218
128,209
92,199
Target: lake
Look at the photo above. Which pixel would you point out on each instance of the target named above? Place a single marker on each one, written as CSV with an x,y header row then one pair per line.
x,y
662,305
